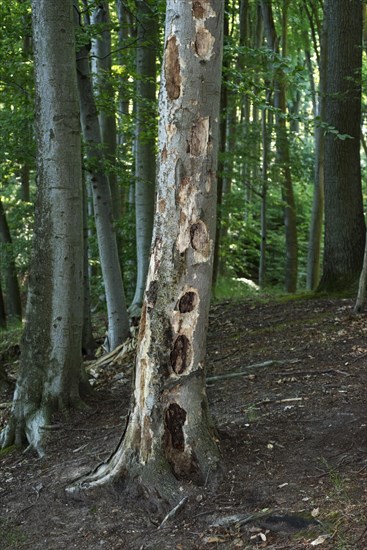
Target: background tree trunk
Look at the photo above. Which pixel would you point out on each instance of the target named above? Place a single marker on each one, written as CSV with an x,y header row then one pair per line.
x,y
118,322
101,50
50,371
169,435
317,214
282,143
13,300
344,219
145,150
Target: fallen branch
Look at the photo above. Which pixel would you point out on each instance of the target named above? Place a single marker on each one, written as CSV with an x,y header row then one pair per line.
x,y
174,511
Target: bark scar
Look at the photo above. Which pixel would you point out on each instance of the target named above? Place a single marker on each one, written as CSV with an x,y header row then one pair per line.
x,y
172,69
175,419
181,354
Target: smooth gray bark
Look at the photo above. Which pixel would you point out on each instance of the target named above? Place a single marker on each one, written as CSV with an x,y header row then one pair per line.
x,y
50,376
145,146
169,438
118,322
317,215
102,63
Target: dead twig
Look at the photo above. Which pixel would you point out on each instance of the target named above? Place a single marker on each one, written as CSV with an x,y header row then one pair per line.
x,y
174,511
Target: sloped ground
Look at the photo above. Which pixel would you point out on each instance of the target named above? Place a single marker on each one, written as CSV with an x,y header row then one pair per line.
x,y
293,431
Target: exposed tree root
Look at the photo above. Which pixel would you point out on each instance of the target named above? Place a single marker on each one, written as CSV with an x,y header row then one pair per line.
x,y
29,425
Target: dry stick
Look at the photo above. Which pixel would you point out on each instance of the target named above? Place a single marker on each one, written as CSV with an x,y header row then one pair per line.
x,y
290,373
174,511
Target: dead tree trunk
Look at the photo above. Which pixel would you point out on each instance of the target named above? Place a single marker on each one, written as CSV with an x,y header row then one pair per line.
x,y
169,436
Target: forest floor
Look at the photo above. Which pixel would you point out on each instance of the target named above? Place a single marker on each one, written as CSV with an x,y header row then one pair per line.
x,y
293,433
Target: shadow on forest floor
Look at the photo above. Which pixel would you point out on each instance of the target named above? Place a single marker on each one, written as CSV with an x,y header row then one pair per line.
x,y
293,430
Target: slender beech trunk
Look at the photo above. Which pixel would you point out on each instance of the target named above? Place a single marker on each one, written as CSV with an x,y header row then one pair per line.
x,y
88,343
290,220
51,375
221,162
317,215
266,126
118,322
13,300
101,50
145,153
169,438
361,296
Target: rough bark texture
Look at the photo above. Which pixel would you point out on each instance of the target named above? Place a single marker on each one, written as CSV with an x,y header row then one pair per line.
x,y
169,435
344,220
118,322
50,370
145,145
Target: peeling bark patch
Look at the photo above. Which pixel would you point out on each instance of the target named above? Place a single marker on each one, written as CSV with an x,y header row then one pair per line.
x,y
175,419
204,43
188,302
181,354
209,181
164,154
172,69
198,10
151,294
161,206
199,238
143,322
199,137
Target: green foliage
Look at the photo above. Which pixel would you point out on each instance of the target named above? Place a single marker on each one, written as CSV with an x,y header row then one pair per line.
x,y
234,288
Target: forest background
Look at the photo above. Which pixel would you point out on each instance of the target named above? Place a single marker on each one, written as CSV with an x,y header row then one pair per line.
x,y
270,196
291,131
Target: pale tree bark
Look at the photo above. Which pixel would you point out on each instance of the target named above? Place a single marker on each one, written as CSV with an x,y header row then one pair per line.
x,y
118,322
223,119
101,55
88,343
266,128
344,239
169,438
361,295
51,376
124,33
282,143
145,153
317,215
13,300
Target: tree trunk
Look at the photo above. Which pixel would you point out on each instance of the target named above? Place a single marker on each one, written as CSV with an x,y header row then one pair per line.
x,y
344,219
118,322
51,371
145,154
361,296
169,438
317,215
2,309
101,50
290,219
13,300
266,128
88,343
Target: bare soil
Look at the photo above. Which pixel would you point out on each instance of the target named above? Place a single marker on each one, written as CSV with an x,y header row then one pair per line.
x,y
293,435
